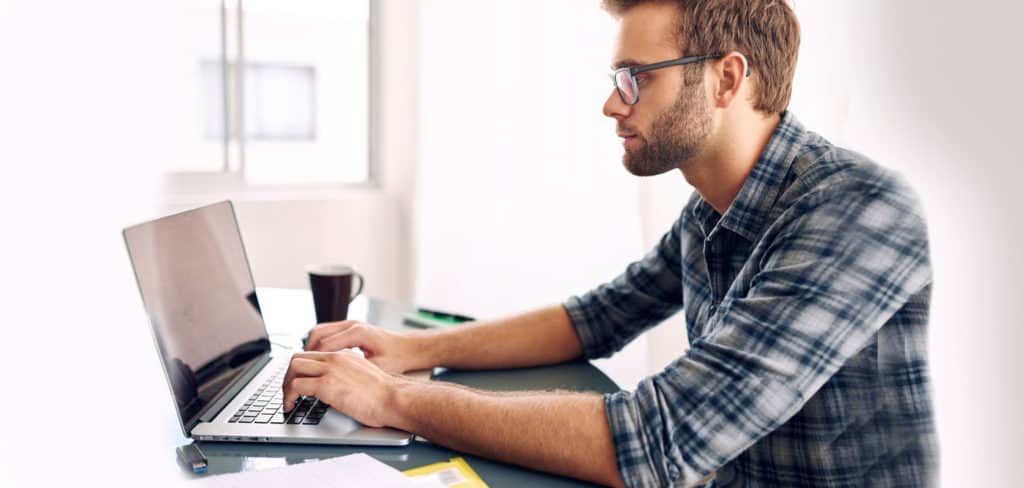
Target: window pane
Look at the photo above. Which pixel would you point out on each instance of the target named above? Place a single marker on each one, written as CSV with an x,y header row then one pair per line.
x,y
306,91
280,102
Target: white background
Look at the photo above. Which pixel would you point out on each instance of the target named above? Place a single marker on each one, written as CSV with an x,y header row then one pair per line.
x,y
506,197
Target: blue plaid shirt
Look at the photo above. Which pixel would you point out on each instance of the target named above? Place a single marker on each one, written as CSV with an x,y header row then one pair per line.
x,y
806,306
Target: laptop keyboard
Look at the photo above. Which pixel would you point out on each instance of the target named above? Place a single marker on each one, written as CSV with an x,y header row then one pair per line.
x,y
264,406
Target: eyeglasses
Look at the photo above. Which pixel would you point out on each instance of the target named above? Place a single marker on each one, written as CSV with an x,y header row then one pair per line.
x,y
625,78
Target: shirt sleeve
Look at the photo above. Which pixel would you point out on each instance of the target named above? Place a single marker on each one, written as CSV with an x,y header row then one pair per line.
x,y
650,290
837,269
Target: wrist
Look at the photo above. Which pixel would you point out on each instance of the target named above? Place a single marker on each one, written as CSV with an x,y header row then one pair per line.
x,y
398,404
423,350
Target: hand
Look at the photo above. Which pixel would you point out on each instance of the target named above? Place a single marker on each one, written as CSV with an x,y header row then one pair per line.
x,y
394,352
346,381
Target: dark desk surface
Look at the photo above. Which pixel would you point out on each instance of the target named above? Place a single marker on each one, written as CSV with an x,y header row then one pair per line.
x,y
282,308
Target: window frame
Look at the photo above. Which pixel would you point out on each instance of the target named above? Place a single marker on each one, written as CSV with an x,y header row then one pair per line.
x,y
230,180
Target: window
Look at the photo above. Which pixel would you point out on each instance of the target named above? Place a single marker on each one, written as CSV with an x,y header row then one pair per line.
x,y
280,102
274,92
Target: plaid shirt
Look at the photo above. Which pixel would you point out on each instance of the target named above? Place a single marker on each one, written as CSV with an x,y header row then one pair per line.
x,y
806,307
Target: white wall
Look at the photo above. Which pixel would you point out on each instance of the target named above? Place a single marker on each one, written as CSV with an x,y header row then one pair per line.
x,y
357,227
522,198
80,123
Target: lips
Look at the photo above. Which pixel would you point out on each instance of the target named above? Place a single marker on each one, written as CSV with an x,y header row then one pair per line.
x,y
624,132
628,140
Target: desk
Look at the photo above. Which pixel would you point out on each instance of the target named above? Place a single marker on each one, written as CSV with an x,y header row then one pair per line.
x,y
288,314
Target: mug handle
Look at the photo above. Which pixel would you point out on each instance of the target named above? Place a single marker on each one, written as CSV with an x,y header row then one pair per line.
x,y
362,281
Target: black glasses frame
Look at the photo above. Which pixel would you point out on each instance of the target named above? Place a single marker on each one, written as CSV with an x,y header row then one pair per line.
x,y
635,70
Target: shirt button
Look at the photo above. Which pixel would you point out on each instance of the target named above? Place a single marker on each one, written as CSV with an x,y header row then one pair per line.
x,y
673,472
712,309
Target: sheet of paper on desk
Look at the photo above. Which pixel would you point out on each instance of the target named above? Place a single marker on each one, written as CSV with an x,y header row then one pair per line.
x,y
352,470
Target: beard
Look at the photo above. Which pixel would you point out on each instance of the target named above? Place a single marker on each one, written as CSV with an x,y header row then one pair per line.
x,y
677,135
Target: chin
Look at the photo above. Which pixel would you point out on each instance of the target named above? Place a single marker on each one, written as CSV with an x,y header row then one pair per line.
x,y
628,164
640,167
637,170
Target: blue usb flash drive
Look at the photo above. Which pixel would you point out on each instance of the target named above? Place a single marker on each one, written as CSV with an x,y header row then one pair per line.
x,y
192,457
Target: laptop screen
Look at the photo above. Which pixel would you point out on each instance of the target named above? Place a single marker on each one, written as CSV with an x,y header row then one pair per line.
x,y
201,300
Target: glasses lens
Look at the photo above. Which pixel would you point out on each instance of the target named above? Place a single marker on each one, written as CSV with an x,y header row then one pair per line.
x,y
626,87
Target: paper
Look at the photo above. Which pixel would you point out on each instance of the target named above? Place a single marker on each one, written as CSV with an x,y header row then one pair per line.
x,y
352,470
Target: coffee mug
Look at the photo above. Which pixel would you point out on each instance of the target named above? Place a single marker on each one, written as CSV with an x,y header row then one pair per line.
x,y
331,285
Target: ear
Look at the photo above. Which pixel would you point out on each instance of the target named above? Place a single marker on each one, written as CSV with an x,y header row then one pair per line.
x,y
731,76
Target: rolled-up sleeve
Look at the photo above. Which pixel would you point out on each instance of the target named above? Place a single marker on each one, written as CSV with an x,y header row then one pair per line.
x,y
833,273
609,316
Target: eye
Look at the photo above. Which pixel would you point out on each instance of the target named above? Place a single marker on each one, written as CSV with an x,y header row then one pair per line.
x,y
642,78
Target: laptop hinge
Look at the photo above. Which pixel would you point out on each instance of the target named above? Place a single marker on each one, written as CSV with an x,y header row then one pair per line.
x,y
214,407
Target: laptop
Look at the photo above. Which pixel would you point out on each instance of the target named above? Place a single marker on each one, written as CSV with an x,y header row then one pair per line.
x,y
200,296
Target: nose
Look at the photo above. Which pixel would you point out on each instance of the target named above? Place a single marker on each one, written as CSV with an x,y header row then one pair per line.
x,y
615,108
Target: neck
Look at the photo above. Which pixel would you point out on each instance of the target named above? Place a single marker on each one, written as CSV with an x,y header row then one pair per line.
x,y
721,169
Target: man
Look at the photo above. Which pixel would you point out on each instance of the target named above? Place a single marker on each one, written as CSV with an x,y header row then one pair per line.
x,y
802,268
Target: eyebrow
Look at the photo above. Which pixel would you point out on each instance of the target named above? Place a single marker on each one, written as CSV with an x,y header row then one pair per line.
x,y
626,62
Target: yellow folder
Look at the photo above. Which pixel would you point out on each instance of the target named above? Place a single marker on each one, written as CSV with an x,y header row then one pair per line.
x,y
454,473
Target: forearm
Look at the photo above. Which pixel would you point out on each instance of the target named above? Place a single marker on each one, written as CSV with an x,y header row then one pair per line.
x,y
557,432
544,336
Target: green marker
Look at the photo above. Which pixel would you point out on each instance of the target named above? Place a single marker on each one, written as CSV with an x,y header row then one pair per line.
x,y
433,318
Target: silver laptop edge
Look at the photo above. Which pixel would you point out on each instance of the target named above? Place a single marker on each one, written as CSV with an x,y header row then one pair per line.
x,y
211,421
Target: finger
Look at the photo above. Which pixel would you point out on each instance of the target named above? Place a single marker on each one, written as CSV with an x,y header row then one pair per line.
x,y
325,329
354,352
296,388
358,336
302,367
312,355
332,357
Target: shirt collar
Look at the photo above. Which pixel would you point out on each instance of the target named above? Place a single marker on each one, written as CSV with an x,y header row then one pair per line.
x,y
753,204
